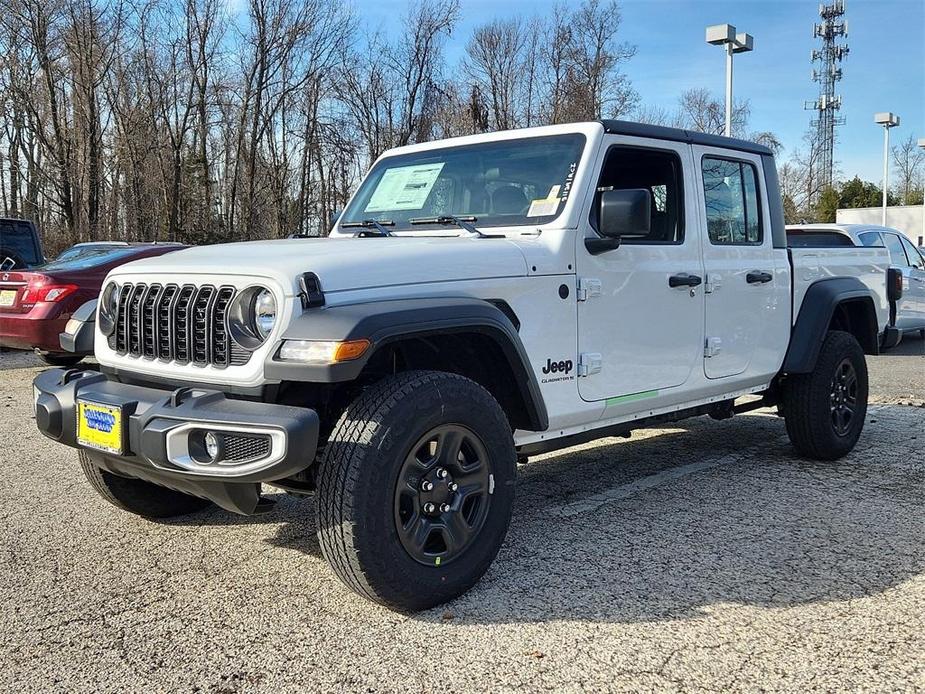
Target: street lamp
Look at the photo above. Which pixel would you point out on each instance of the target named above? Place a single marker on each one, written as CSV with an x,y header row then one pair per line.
x,y
922,240
887,120
725,35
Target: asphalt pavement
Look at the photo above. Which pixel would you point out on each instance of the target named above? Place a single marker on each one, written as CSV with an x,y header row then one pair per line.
x,y
702,556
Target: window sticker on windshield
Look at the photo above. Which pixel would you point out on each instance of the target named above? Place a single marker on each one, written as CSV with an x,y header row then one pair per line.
x,y
404,187
547,206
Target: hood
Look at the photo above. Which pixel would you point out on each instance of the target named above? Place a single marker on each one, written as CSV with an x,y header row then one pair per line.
x,y
346,263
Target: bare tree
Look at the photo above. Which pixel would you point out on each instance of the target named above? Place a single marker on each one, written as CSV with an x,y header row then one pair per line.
x,y
908,158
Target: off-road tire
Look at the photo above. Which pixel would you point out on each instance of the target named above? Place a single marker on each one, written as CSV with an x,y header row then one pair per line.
x,y
359,474
140,497
807,401
60,358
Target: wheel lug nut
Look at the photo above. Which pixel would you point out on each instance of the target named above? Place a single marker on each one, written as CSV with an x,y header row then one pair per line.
x,y
429,507
453,486
427,486
441,473
444,508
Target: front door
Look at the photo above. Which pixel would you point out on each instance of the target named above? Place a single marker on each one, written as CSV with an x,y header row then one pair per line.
x,y
744,294
640,333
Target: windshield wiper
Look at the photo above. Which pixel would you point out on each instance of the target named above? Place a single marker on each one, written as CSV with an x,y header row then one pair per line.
x,y
379,226
461,222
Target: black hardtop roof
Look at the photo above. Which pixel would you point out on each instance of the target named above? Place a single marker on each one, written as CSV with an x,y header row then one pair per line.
x,y
660,132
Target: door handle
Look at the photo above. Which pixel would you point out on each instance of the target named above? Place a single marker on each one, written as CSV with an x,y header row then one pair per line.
x,y
758,277
682,279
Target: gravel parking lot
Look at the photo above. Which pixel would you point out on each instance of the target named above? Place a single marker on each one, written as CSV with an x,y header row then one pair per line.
x,y
700,556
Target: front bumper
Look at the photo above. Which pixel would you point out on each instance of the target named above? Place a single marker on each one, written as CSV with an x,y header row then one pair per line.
x,y
157,426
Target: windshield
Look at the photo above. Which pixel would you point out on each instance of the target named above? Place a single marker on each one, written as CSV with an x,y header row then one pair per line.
x,y
88,256
501,183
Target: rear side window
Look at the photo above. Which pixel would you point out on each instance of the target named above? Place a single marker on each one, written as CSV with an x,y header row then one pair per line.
x,y
19,240
731,196
915,258
870,238
895,247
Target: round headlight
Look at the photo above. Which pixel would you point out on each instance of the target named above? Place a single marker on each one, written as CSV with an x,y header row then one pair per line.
x,y
264,312
109,308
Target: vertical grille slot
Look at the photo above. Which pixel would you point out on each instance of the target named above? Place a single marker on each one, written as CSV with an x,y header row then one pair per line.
x,y
202,324
164,323
220,346
149,319
121,323
133,320
180,323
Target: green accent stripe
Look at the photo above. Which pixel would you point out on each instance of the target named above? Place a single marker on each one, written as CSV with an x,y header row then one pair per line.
x,y
632,397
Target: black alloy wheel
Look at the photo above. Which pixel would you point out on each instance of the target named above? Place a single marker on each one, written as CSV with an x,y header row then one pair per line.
x,y
843,399
443,494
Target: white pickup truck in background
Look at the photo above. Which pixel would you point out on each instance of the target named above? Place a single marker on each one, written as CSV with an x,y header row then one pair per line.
x,y
480,300
906,259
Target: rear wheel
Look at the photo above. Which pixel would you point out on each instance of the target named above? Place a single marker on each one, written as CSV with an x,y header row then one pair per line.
x,y
824,410
60,358
140,497
415,489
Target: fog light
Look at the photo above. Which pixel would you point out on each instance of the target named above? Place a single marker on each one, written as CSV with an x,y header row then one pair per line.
x,y
213,447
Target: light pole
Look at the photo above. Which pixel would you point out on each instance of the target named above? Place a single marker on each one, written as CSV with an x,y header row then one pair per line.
x,y
725,35
922,241
887,120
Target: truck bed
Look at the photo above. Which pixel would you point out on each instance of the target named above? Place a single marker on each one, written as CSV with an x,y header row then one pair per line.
x,y
866,264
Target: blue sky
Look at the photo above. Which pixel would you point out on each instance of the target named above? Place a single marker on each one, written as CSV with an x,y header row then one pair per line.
x,y
884,71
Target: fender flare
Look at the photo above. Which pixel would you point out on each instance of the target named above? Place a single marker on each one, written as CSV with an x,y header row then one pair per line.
x,y
387,321
819,305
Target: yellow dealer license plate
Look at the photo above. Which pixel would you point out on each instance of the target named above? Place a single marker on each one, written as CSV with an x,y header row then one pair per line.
x,y
99,426
7,297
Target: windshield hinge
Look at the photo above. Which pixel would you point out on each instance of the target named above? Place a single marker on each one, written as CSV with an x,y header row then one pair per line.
x,y
588,288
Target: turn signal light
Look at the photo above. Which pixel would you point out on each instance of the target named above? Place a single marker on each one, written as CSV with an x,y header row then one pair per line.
x,y
323,351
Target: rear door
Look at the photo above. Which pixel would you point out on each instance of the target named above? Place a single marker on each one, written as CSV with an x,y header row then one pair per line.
x,y
745,295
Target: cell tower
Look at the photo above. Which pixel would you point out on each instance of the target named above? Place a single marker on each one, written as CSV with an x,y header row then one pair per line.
x,y
827,71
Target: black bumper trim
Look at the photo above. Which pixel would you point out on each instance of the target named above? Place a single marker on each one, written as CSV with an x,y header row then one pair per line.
x,y
150,414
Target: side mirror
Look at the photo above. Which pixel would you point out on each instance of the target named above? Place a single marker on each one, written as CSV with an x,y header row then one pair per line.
x,y
622,214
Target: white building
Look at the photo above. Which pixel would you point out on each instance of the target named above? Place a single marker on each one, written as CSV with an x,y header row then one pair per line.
x,y
909,219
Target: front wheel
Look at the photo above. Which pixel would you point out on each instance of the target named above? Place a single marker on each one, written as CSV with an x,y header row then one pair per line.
x,y
824,410
415,489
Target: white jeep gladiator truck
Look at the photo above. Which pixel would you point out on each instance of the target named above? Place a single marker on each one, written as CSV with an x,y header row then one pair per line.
x,y
479,300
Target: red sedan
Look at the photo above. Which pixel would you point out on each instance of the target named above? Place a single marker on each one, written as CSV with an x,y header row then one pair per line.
x,y
36,304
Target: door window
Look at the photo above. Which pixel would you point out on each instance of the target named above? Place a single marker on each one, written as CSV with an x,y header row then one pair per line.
x,y
731,197
895,247
659,172
915,258
871,238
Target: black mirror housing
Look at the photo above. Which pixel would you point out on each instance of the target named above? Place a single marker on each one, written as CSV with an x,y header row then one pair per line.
x,y
625,213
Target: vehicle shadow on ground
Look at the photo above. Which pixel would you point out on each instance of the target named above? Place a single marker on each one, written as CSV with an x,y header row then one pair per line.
x,y
762,527
911,346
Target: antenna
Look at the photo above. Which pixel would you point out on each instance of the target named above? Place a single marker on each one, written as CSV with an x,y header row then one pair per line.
x,y
827,71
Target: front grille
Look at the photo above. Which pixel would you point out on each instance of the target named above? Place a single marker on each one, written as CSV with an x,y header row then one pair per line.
x,y
179,323
240,447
